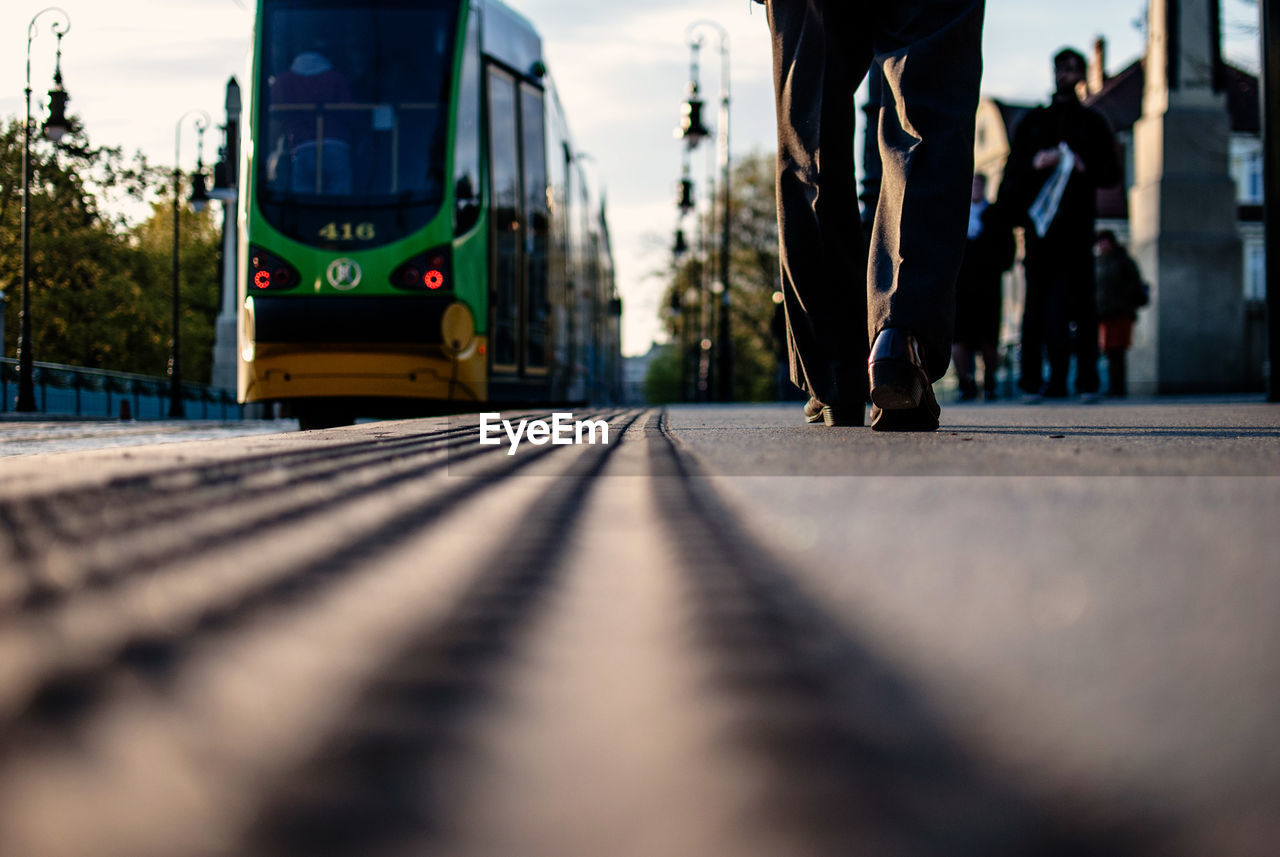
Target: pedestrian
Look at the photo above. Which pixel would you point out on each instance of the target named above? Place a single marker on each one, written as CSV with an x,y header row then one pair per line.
x,y
901,291
1061,155
988,253
1121,292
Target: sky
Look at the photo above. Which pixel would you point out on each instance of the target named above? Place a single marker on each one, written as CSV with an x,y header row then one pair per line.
x,y
133,68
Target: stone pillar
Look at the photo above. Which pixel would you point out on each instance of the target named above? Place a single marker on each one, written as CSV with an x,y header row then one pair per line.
x,y
1096,74
1182,211
226,331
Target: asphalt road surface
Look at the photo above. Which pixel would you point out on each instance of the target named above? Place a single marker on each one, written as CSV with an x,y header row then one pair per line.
x,y
1039,631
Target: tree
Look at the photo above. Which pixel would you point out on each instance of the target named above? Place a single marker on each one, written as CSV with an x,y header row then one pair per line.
x,y
100,287
753,272
753,275
199,287
662,381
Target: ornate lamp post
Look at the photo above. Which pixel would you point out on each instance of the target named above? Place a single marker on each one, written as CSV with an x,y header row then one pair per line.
x,y
54,128
692,131
725,347
199,197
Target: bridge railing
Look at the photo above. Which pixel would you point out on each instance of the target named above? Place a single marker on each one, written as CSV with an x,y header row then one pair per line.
x,y
100,393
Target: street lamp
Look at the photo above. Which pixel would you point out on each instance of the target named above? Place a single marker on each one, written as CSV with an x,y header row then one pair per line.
x,y
681,245
725,350
199,197
54,129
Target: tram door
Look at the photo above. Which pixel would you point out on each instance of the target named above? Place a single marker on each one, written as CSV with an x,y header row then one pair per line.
x,y
521,221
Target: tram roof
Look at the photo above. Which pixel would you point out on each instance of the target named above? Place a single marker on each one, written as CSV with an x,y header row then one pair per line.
x,y
508,36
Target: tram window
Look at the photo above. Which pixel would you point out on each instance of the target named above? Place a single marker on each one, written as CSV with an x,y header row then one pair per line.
x,y
505,191
353,99
466,151
539,216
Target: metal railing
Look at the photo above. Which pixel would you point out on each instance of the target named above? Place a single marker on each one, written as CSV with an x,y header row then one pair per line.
x,y
100,393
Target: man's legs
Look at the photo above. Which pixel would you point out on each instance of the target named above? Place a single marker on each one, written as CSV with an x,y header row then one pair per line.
x,y
931,58
1084,313
816,51
1057,333
990,365
1034,311
1046,318
962,356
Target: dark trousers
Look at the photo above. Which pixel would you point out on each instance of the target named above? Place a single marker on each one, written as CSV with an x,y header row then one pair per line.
x,y
929,53
1060,295
1117,373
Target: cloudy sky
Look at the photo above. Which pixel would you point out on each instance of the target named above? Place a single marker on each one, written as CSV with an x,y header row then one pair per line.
x,y
133,67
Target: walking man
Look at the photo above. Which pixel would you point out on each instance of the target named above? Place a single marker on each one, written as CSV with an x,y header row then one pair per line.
x,y
1061,154
901,292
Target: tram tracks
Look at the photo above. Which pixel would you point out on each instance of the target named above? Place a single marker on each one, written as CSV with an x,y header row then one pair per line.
x,y
39,527
374,783
135,668
81,539
124,601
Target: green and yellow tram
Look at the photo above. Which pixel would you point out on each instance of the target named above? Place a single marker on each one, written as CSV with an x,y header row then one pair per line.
x,y
417,232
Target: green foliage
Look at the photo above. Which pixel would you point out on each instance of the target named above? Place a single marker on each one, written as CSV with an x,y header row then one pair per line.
x,y
662,381
199,288
753,275
101,288
753,266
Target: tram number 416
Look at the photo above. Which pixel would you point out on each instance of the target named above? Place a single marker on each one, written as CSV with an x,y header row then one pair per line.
x,y
348,232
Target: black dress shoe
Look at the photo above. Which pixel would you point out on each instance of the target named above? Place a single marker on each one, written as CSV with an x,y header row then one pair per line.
x,y
900,390
834,415
896,368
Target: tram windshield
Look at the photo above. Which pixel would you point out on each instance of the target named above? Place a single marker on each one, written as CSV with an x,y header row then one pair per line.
x,y
353,101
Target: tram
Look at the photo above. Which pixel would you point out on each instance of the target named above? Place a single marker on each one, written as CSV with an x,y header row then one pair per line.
x,y
417,231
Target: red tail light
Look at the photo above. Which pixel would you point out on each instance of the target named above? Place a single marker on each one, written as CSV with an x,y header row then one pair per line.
x,y
430,271
267,271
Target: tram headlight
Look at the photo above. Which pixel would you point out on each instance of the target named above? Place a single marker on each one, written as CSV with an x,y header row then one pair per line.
x,y
269,272
248,331
427,272
458,328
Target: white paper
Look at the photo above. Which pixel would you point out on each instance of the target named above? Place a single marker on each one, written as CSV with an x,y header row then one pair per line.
x,y
1045,207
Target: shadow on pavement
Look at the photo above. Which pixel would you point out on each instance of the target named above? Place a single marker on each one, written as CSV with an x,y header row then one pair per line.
x,y
855,761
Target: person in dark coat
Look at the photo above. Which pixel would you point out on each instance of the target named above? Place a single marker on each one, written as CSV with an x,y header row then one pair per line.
x,y
1061,154
988,253
1121,292
878,323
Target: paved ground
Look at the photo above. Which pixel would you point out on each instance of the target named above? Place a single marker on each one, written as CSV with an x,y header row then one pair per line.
x,y
31,436
1040,631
